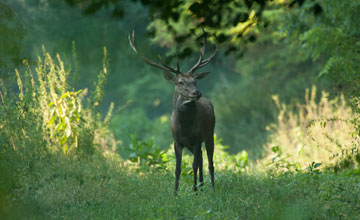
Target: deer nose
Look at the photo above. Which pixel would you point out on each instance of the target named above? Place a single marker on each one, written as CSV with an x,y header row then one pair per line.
x,y
196,93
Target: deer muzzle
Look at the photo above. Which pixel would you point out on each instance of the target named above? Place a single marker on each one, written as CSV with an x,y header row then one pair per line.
x,y
195,95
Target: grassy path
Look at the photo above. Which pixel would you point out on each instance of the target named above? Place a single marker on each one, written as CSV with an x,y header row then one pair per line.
x,y
100,189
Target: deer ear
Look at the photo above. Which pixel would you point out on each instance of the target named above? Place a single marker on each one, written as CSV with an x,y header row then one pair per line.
x,y
169,77
198,76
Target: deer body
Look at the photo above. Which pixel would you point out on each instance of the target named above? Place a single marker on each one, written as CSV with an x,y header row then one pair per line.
x,y
193,118
192,123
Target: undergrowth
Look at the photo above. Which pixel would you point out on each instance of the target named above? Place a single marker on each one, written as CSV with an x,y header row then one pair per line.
x,y
319,132
59,161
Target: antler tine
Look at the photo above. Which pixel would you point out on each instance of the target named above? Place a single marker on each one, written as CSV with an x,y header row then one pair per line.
x,y
177,63
162,66
201,63
205,62
202,52
169,68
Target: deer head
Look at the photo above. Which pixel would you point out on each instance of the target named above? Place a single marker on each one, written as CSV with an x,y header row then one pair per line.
x,y
185,82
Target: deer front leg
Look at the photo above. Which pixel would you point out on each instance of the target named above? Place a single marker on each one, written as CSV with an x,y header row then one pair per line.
x,y
201,177
178,156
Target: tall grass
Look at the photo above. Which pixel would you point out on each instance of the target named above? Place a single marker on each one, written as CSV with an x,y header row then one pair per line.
x,y
44,121
317,131
49,111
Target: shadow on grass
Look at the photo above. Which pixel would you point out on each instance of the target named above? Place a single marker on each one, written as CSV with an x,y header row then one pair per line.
x,y
102,188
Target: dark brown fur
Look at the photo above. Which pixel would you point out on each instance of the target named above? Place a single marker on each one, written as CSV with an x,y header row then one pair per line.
x,y
192,123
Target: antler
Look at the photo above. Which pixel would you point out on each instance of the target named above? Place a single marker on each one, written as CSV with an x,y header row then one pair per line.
x,y
201,63
163,66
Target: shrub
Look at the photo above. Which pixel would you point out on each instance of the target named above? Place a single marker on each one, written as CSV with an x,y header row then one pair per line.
x,y
146,154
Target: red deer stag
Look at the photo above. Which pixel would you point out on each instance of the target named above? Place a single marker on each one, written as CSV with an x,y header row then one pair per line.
x,y
193,118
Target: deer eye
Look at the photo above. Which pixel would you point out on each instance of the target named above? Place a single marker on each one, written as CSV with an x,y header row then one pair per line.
x,y
181,83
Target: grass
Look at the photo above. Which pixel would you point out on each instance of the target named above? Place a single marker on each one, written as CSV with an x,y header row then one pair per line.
x,y
57,161
102,188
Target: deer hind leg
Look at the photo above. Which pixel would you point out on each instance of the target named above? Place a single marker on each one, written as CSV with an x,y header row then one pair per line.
x,y
210,153
196,164
178,156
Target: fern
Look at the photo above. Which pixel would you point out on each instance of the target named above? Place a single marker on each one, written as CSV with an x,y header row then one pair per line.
x,y
328,66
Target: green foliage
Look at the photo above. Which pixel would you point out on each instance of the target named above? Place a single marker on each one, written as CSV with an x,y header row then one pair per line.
x,y
226,21
48,114
238,162
313,167
280,163
147,154
65,115
333,35
43,122
100,83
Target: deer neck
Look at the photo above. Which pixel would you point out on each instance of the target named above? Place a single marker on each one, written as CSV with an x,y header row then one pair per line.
x,y
184,109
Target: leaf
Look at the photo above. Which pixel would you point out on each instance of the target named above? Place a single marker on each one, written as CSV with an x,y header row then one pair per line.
x,y
66,94
275,149
65,148
133,155
51,121
328,66
317,165
67,122
67,132
134,141
59,127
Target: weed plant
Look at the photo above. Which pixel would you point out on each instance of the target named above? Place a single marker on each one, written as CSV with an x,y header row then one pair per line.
x,y
319,132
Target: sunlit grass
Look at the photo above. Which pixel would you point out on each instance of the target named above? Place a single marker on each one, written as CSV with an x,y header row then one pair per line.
x,y
319,132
